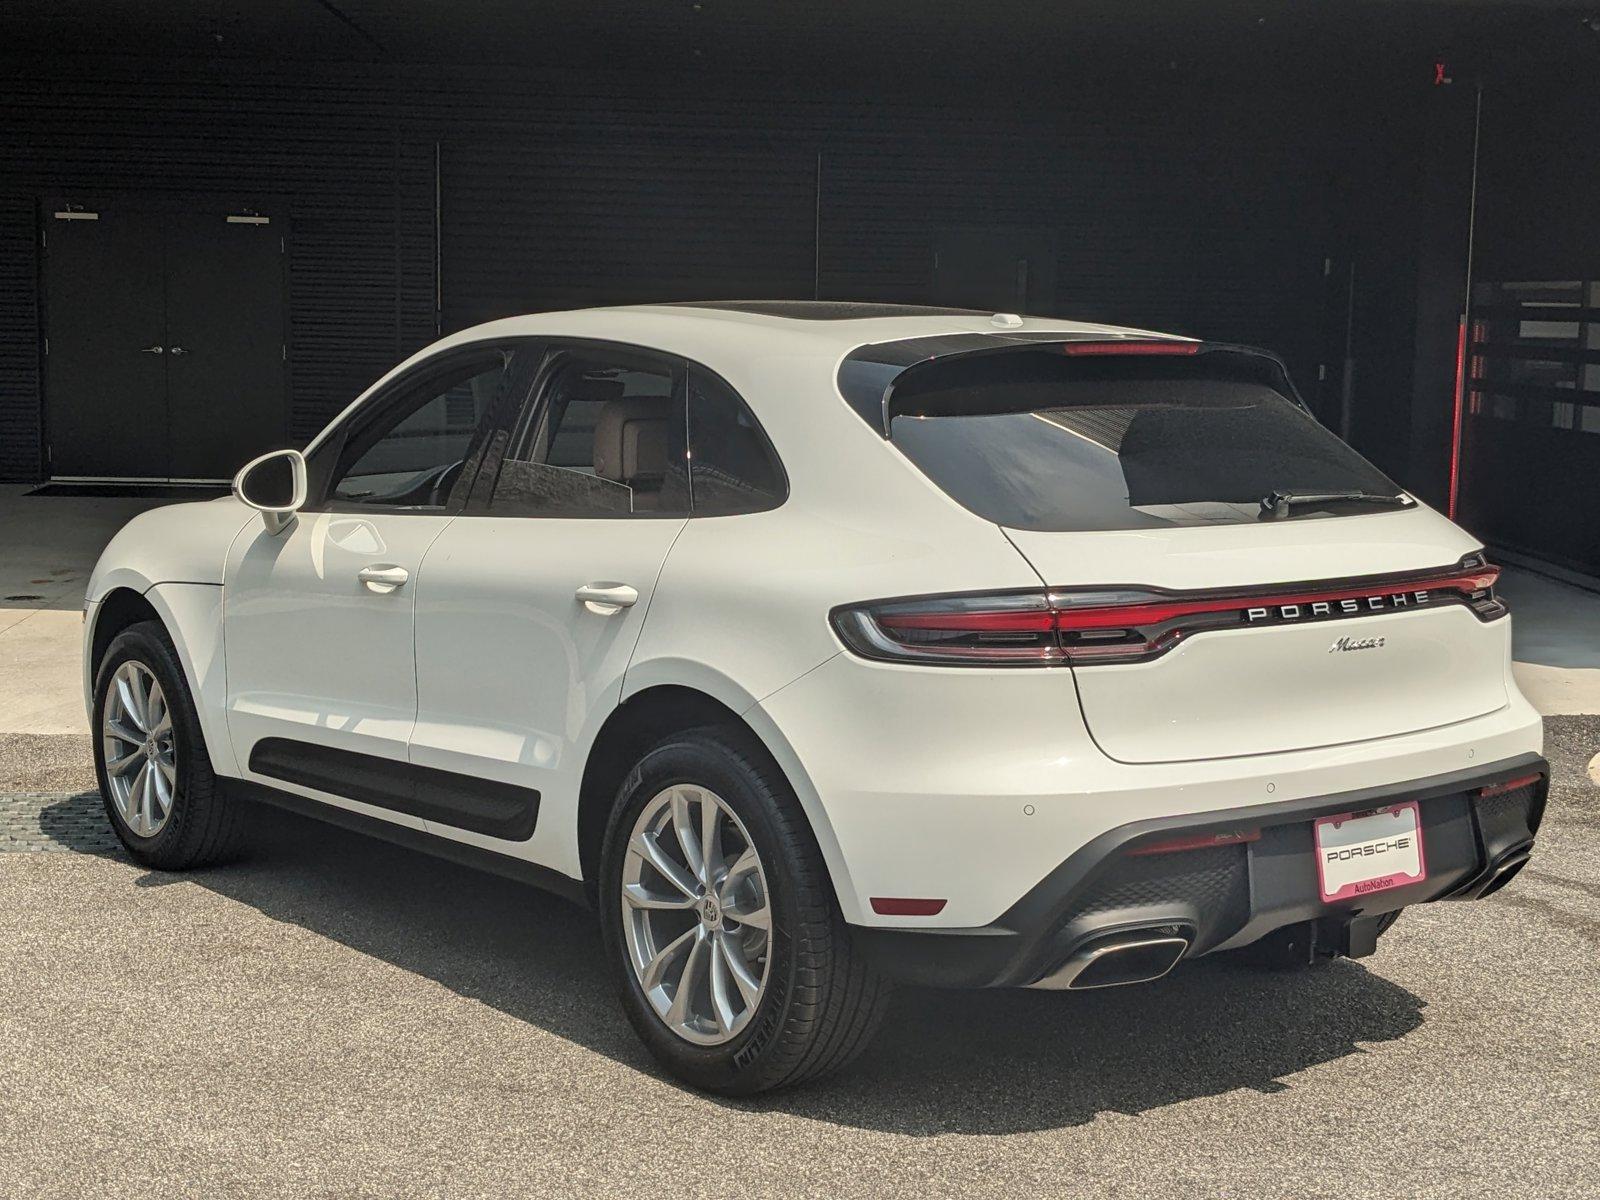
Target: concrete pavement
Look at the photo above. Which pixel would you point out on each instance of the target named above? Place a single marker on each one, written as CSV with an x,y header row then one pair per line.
x,y
48,546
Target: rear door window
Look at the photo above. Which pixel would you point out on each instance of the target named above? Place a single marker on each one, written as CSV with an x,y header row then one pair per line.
x,y
604,436
1036,440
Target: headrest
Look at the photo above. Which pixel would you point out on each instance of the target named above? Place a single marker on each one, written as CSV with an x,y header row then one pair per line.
x,y
589,387
630,440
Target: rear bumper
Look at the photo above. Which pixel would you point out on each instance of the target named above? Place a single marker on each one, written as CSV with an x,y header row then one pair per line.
x,y
1226,896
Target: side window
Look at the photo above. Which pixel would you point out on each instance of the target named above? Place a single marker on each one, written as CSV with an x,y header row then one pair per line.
x,y
735,469
604,436
415,453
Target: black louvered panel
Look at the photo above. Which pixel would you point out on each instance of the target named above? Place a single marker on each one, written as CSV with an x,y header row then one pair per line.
x,y
602,187
1123,246
562,222
20,434
320,150
1155,225
414,189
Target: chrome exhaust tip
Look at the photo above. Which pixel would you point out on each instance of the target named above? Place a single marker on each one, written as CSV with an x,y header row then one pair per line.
x,y
1136,957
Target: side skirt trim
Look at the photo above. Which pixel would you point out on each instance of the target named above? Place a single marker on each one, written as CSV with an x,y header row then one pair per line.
x,y
544,878
499,810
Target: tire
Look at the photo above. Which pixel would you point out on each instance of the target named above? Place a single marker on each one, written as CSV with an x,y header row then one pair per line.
x,y
197,825
819,1003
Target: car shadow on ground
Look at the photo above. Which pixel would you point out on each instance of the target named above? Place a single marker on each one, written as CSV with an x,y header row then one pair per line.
x,y
946,1062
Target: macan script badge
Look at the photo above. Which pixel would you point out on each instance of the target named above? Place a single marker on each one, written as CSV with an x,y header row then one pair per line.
x,y
1345,644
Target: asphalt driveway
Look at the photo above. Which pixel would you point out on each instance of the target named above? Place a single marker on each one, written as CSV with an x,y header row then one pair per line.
x,y
336,1017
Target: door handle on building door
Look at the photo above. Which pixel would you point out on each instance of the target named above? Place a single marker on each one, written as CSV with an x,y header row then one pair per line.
x,y
152,350
383,578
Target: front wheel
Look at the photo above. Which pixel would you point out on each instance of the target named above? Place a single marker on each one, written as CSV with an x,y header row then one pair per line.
x,y
150,756
734,965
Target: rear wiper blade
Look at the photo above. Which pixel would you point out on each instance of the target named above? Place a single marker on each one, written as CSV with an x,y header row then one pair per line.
x,y
1278,504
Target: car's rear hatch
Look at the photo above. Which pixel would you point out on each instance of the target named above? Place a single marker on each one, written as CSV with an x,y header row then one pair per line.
x,y
1199,622
1289,642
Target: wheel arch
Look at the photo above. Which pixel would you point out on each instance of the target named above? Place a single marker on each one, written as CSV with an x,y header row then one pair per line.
x,y
119,608
652,713
191,614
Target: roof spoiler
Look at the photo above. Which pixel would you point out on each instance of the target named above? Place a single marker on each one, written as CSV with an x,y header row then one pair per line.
x,y
869,374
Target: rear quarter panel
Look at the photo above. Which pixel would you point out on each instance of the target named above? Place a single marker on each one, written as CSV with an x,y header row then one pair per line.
x,y
741,607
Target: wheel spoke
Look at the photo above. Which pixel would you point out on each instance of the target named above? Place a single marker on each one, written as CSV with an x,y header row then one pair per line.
x,y
739,968
640,896
694,967
650,978
123,733
169,770
155,708
736,901
132,706
756,917
143,685
139,801
128,801
710,840
688,837
121,766
648,848
742,866
721,1001
161,788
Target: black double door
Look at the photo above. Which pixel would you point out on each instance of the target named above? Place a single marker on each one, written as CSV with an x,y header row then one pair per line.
x,y
164,351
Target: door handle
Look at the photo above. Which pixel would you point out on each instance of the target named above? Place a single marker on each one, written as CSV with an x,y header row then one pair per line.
x,y
383,578
179,350
152,350
607,599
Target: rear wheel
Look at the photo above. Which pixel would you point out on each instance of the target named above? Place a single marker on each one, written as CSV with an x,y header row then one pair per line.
x,y
732,960
150,756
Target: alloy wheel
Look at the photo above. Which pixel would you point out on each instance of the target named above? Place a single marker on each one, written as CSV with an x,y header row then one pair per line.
x,y
140,749
696,914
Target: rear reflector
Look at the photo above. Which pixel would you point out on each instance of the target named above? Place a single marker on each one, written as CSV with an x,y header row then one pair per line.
x,y
1510,785
1198,841
1101,349
899,906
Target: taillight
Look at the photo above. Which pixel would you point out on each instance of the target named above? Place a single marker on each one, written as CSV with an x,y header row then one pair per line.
x,y
1023,629
1005,629
1128,625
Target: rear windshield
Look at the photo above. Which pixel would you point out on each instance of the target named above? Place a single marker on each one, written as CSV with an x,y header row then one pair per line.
x,y
1035,440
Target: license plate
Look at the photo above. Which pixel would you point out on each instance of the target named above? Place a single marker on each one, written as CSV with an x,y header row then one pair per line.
x,y
1361,853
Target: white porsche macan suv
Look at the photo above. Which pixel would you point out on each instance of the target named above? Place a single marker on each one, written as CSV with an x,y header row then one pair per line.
x,y
821,645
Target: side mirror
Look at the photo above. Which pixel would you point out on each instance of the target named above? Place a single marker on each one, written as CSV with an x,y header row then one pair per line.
x,y
275,486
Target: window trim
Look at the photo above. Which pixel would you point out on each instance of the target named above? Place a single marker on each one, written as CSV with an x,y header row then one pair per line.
x,y
329,449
